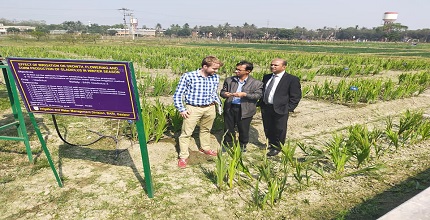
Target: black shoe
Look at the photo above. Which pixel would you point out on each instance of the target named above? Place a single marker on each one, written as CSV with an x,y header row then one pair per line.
x,y
243,147
273,152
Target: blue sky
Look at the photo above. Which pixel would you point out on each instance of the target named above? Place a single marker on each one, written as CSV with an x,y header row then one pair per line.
x,y
311,14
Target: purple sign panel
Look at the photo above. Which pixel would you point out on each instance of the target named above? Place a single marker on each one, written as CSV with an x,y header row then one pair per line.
x,y
76,87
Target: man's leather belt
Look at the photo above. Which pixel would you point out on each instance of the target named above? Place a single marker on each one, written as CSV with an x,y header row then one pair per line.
x,y
203,106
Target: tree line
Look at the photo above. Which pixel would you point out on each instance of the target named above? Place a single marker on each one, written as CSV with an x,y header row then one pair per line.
x,y
391,32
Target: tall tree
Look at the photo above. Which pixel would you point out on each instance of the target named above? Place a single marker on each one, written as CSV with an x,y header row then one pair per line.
x,y
158,27
12,30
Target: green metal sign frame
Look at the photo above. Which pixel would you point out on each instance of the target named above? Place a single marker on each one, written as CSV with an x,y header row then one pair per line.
x,y
142,138
19,123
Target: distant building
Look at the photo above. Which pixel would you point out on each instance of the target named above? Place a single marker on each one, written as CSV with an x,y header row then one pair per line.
x,y
3,28
137,32
58,32
145,32
194,34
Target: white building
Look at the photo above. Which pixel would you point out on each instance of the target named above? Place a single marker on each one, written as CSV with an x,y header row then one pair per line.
x,y
3,28
58,32
137,32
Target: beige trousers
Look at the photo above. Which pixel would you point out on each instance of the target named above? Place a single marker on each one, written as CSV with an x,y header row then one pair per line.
x,y
204,117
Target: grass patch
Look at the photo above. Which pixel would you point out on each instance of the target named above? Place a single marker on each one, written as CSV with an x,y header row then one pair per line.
x,y
4,104
6,179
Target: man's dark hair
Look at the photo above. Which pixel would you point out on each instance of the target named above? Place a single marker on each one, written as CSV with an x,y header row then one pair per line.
x,y
248,65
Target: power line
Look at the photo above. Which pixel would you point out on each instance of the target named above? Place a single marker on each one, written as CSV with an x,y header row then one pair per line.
x,y
124,10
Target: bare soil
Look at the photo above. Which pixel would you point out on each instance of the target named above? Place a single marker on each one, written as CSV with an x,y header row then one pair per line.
x,y
97,185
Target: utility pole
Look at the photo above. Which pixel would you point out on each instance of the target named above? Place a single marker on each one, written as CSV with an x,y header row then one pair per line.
x,y
124,10
132,25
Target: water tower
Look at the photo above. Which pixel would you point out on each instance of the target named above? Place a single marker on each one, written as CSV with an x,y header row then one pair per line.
x,y
133,26
133,23
390,17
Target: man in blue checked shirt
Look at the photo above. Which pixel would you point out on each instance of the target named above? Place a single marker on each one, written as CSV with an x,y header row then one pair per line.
x,y
195,98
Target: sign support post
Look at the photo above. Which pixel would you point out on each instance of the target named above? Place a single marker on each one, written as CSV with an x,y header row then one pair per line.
x,y
17,115
142,138
20,123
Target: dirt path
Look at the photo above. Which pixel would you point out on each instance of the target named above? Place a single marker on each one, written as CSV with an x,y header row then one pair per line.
x,y
98,186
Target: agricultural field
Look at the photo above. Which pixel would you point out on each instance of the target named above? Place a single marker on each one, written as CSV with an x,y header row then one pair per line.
x,y
358,143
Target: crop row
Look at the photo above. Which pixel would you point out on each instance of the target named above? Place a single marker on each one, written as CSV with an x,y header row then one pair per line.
x,y
182,59
162,118
354,152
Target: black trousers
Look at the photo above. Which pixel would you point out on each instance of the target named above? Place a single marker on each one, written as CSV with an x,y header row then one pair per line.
x,y
275,126
233,118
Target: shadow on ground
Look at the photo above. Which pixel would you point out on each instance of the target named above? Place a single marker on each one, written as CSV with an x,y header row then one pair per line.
x,y
390,199
116,157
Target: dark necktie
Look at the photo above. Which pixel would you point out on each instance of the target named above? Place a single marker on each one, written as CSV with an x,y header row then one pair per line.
x,y
267,91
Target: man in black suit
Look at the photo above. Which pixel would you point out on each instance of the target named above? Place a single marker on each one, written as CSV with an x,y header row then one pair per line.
x,y
281,94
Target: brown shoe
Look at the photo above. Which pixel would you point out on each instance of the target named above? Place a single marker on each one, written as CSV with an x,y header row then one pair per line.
x,y
209,152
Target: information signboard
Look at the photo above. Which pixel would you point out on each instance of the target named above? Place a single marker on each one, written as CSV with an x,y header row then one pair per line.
x,y
76,87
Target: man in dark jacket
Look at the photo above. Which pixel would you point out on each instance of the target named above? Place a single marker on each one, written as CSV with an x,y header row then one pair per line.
x,y
281,95
242,93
